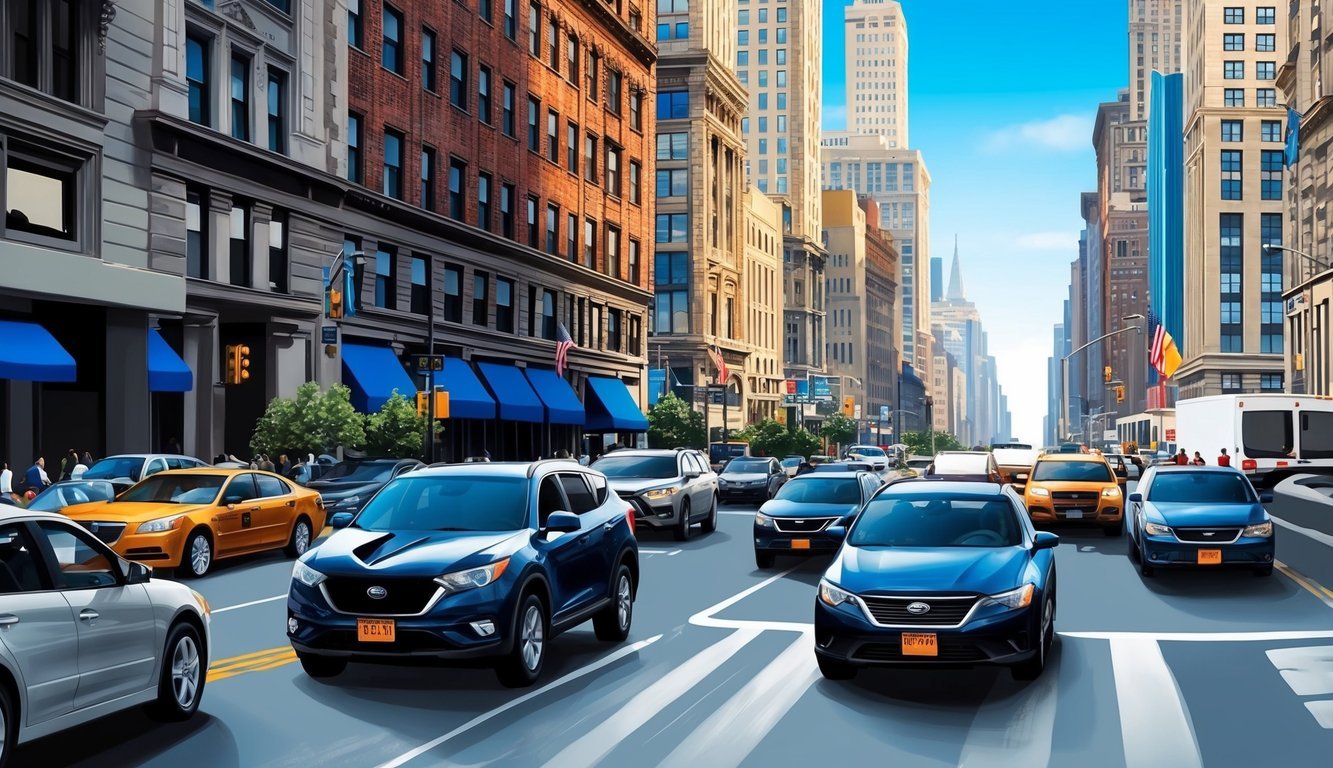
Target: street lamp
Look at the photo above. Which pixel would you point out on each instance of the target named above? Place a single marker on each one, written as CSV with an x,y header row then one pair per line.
x,y
1270,248
1064,366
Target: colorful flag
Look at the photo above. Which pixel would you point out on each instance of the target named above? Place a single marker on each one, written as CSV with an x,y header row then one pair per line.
x,y
563,343
1162,355
722,373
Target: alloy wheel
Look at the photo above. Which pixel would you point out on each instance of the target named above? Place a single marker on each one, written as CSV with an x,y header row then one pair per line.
x,y
4,731
201,554
302,538
185,672
624,603
532,637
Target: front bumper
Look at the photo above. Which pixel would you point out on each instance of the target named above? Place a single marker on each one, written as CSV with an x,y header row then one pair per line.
x,y
844,634
160,550
1168,552
654,513
728,493
780,542
1107,512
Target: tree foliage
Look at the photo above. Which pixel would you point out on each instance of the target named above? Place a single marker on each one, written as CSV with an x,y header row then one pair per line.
x,y
672,423
918,443
771,438
314,421
805,443
395,431
839,429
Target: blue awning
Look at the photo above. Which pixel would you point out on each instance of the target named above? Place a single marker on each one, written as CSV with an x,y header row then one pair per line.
x,y
611,408
562,405
468,399
517,400
374,373
28,352
167,372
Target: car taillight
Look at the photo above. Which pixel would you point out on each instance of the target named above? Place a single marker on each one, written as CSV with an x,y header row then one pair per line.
x,y
1249,465
1282,464
629,517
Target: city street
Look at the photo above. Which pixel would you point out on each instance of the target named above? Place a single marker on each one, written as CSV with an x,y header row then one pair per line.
x,y
1216,669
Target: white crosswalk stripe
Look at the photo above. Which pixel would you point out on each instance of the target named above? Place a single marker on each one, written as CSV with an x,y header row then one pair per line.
x,y
1309,672
1154,723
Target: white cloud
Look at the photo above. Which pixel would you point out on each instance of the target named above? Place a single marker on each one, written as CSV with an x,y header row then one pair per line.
x,y
1063,133
1048,241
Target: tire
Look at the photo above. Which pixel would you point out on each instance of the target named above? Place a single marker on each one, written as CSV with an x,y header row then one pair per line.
x,y
322,667
710,523
9,726
612,623
299,542
522,666
1112,531
193,566
1145,569
835,670
1032,668
184,673
764,560
682,529
1263,571
1134,550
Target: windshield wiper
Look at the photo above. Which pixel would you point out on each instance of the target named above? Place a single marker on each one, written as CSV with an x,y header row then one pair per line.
x,y
453,529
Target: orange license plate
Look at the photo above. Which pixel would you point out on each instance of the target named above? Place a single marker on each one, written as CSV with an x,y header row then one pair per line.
x,y
800,543
920,644
1210,557
375,630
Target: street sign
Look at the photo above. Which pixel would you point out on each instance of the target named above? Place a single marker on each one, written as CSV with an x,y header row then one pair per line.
x,y
428,363
884,413
328,334
857,411
1171,435
822,390
1109,435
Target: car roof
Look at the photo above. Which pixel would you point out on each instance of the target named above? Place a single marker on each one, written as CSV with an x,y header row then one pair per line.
x,y
913,486
1183,468
963,453
647,452
10,514
218,471
147,456
1072,457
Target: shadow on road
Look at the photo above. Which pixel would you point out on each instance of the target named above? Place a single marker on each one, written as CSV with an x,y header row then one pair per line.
x,y
132,738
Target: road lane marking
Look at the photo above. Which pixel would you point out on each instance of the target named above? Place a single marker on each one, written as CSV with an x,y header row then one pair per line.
x,y
530,695
738,514
705,618
667,552
1310,533
261,601
251,662
1155,727
596,744
1205,637
733,731
1009,731
1308,670
1305,582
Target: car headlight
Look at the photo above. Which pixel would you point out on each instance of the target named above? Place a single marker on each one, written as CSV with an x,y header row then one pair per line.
x,y
161,525
203,603
763,521
306,575
460,581
833,596
1153,529
1014,598
660,493
1039,491
350,501
1262,530
1110,493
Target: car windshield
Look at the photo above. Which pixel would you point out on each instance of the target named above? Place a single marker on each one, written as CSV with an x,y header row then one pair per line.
x,y
811,490
1201,488
448,503
960,464
360,472
637,466
1014,457
746,466
114,467
867,450
794,461
1072,472
175,489
936,520
62,495
718,452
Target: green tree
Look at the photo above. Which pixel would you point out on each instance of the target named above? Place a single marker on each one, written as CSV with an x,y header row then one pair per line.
x,y
839,429
805,443
312,422
395,431
919,443
672,423
766,438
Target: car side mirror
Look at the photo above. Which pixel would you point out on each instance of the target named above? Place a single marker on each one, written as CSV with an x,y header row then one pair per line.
x,y
1136,498
563,522
692,474
1045,540
228,501
1265,497
838,532
340,520
135,573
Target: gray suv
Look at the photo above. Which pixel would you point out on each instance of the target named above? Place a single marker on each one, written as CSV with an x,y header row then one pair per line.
x,y
668,488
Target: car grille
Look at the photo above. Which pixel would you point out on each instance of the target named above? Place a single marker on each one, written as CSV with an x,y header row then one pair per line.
x,y
1208,535
950,649
408,641
108,533
944,611
808,525
404,597
1074,495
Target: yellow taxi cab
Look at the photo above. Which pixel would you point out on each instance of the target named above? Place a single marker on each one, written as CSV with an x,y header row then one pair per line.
x,y
1075,487
186,519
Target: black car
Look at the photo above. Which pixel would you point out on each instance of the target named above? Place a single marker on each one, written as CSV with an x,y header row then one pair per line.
x,y
346,487
750,477
794,521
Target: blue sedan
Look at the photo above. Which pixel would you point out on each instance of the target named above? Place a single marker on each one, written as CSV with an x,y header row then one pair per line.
x,y
938,574
474,563
796,520
1199,517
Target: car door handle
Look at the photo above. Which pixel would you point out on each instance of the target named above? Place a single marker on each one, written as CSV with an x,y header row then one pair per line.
x,y
610,525
88,614
291,503
8,619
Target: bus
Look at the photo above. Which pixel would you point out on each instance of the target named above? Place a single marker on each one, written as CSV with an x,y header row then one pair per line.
x,y
719,453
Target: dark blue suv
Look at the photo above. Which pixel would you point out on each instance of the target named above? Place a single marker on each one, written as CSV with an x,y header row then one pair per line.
x,y
475,563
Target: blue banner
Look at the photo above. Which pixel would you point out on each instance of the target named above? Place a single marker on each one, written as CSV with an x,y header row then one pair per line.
x,y
822,389
656,385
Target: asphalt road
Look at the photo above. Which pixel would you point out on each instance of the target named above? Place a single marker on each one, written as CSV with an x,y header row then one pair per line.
x,y
1186,669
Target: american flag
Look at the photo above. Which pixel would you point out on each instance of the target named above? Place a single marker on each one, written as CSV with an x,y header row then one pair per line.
x,y
563,343
1157,349
722,372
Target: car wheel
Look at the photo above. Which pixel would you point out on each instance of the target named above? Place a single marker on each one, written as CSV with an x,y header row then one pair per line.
x,y
1032,668
1145,569
835,670
181,684
9,727
197,557
322,667
764,560
522,666
612,623
710,523
300,540
1263,570
682,531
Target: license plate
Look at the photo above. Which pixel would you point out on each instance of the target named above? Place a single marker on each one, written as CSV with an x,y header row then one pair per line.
x,y
920,644
1210,557
375,630
800,543
1073,514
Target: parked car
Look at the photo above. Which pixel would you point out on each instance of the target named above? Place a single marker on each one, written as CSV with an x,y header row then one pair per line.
x,y
667,488
1075,487
132,467
938,574
1014,461
70,492
750,477
187,519
964,466
791,463
876,456
794,521
526,551
87,633
1200,517
1132,468
919,464
346,487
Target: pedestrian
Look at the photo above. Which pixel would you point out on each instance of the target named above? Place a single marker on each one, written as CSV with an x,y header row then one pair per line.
x,y
174,446
1182,458
1198,460
804,468
87,459
563,453
1224,460
284,466
6,480
67,463
79,469
36,477
221,458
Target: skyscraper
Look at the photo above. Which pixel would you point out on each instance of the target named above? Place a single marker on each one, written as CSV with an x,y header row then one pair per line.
x,y
876,53
1154,46
937,276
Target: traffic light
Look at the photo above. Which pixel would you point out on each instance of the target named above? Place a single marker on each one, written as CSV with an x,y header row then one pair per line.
x,y
238,363
849,406
1120,394
1106,372
335,304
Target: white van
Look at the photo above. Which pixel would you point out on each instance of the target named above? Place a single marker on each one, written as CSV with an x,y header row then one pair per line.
x,y
1269,436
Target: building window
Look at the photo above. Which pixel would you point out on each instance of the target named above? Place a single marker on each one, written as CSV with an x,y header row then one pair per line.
x,y
196,233
1233,42
504,305
277,111
572,237
486,10
548,315
507,195
391,54
674,146
1271,130
1271,174
507,105
534,29
553,47
1233,70
674,182
633,276
484,201
484,94
1233,15
1232,130
636,109
453,294
240,98
572,148
457,193
594,61
572,60
239,255
1231,174
277,253
1265,70
393,164
481,300
420,299
589,243
613,251
635,182
672,227
613,318
355,30
612,169
1231,383
428,60
1265,43
1266,15
1234,97
673,105
553,229
671,305
386,278
197,57
428,178
552,136
511,19
1231,265
1270,382
354,161
614,84
590,158
534,132
1265,97
458,79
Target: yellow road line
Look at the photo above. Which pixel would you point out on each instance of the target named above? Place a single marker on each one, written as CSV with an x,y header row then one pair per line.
x,y
1308,584
248,657
251,662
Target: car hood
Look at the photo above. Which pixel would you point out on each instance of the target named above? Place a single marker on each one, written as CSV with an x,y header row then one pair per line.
x,y
131,511
332,490
742,477
633,485
871,570
789,509
356,552
1190,515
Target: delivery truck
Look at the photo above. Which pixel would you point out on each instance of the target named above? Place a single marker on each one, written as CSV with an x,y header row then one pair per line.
x,y
1268,436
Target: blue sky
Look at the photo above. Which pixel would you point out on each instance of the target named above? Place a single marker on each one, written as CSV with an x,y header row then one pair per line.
x,y
1002,98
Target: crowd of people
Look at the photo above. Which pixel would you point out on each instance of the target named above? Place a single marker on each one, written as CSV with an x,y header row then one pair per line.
x,y
1184,459
36,479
